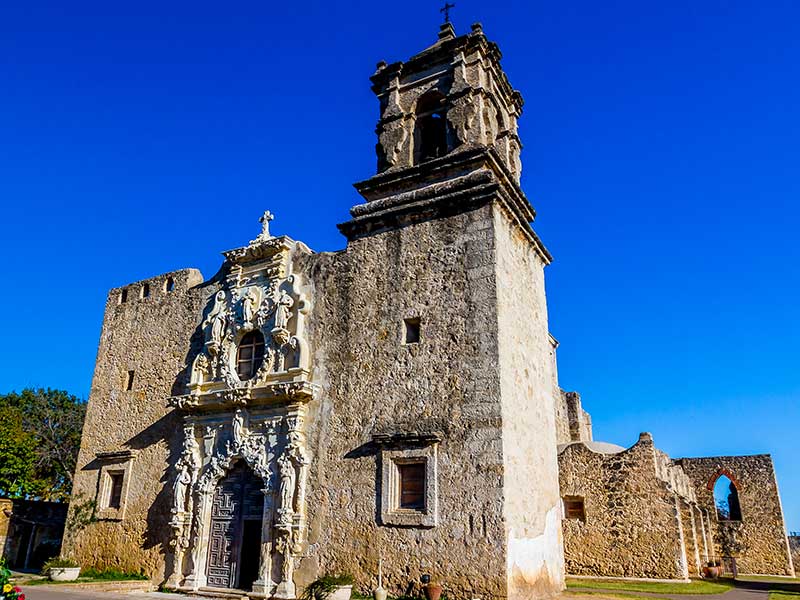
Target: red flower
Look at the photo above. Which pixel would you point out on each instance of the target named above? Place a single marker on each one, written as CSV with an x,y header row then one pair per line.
x,y
21,597
17,589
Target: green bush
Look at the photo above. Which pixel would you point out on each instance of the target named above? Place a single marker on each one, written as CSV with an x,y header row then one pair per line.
x,y
59,563
324,586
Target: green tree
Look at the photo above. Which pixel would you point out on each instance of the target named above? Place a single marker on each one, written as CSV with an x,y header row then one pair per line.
x,y
17,455
52,421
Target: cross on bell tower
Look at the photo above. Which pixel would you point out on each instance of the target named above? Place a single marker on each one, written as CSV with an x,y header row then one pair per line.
x,y
446,11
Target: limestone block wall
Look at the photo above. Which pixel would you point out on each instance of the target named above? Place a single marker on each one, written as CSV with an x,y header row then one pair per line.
x,y
762,532
442,272
532,507
634,525
794,548
149,331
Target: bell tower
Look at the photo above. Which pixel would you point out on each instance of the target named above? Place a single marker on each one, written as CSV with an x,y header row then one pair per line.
x,y
447,135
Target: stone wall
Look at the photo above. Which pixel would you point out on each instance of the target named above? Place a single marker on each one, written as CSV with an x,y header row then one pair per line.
x,y
761,534
635,526
535,560
794,547
152,337
441,271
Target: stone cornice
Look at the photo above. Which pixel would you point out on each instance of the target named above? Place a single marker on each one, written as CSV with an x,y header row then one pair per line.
x,y
263,395
259,250
116,455
405,439
442,52
462,180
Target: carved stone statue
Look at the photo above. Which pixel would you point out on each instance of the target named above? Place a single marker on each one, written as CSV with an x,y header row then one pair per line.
x,y
180,487
216,320
250,305
238,428
288,482
200,368
283,310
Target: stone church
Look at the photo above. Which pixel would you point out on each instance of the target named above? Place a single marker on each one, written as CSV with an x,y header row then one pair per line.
x,y
397,402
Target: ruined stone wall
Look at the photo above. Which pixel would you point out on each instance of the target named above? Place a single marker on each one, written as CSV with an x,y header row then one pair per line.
x,y
794,548
153,337
442,272
633,521
573,423
761,533
532,512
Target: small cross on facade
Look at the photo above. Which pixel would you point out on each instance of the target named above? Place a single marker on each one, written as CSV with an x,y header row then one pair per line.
x,y
265,220
446,10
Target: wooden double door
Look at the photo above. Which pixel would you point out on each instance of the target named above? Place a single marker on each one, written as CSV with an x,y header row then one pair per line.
x,y
237,514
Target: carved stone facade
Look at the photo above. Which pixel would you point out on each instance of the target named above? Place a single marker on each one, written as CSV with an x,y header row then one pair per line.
x,y
281,421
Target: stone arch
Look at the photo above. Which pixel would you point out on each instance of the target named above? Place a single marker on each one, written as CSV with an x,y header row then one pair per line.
x,y
430,127
719,473
726,497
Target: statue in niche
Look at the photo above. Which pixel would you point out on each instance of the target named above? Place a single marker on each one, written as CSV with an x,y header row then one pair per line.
x,y
217,320
238,428
288,482
250,304
200,368
180,487
283,310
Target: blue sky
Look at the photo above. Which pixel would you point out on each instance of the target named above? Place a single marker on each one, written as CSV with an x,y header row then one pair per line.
x,y
661,153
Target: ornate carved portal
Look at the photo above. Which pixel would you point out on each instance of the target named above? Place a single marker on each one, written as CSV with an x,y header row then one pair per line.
x,y
238,513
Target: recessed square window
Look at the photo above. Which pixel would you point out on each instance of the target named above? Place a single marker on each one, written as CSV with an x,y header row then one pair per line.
x,y
412,328
169,285
408,495
145,290
129,381
411,478
123,296
574,508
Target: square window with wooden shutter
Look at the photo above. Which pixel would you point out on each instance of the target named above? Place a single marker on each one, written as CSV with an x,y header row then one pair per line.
x,y
412,485
574,508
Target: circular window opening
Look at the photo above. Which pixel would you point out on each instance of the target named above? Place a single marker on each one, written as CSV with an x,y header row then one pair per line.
x,y
250,356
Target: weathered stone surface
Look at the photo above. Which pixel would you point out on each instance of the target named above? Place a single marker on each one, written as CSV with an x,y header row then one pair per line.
x,y
794,547
762,532
633,520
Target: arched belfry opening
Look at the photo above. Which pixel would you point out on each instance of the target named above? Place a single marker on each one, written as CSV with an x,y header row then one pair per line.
x,y
430,127
237,514
726,499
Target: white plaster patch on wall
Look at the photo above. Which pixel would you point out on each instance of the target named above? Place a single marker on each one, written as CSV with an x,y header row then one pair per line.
x,y
534,557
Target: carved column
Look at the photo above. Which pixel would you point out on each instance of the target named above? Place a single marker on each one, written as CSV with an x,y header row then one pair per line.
x,y
265,586
197,576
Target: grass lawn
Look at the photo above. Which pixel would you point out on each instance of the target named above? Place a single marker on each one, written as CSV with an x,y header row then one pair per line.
x,y
600,595
695,587
87,576
784,596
